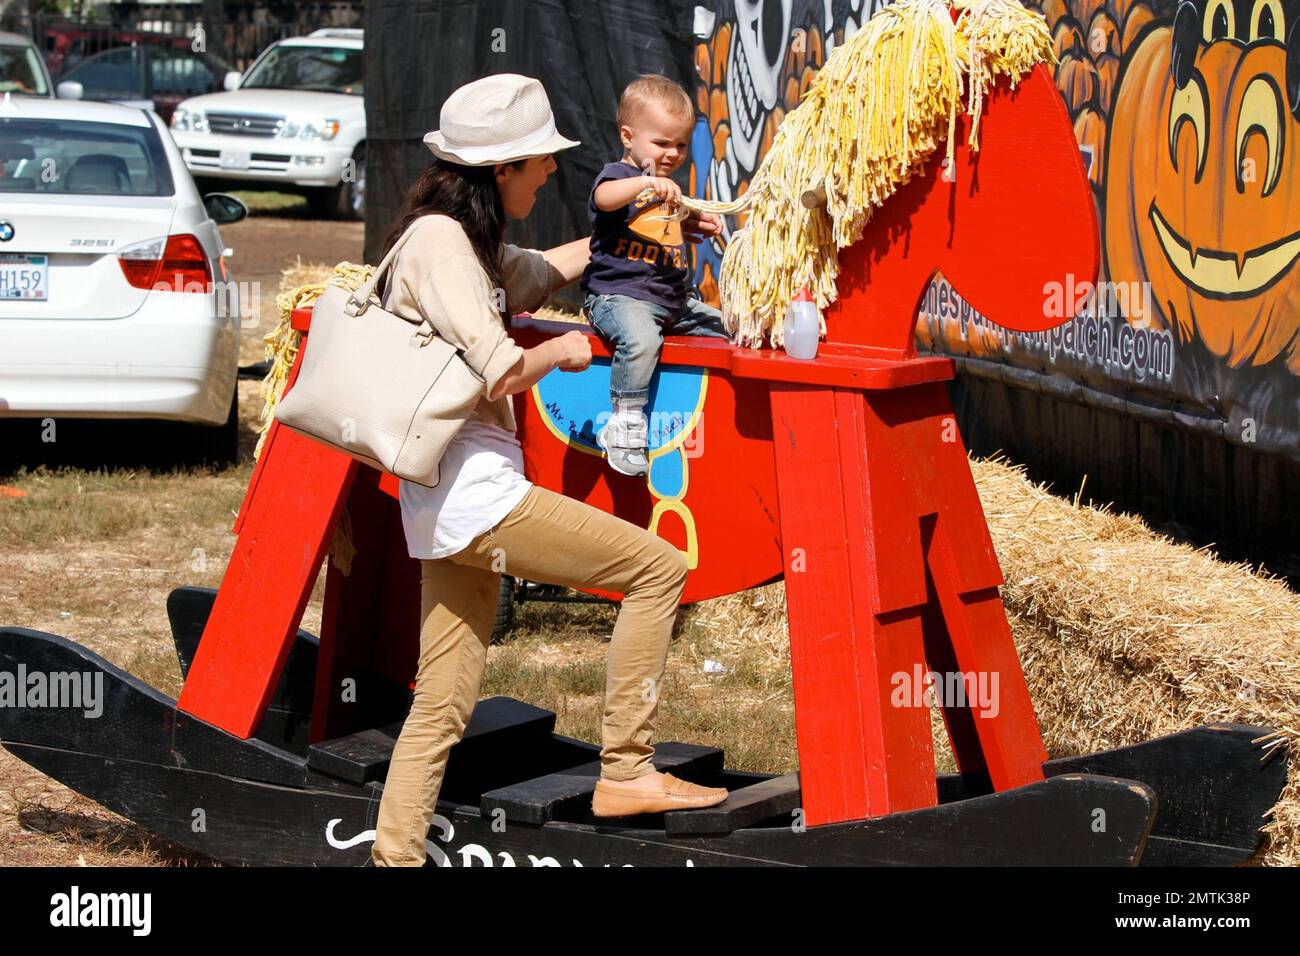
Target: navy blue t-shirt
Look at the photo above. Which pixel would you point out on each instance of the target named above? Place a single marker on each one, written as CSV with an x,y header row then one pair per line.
x,y
633,252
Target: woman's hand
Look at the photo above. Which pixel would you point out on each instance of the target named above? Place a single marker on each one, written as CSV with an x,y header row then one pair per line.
x,y
700,226
572,351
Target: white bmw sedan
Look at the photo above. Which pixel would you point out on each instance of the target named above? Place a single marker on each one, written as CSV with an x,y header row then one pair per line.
x,y
115,299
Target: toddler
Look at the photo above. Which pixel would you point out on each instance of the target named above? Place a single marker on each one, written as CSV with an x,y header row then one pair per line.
x,y
637,285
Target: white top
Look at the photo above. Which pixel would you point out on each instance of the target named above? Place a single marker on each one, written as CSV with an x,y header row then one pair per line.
x,y
481,479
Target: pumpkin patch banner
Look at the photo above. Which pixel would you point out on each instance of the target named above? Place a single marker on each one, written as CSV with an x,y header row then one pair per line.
x,y
1188,121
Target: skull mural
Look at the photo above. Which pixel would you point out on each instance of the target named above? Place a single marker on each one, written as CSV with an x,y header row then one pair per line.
x,y
755,60
760,40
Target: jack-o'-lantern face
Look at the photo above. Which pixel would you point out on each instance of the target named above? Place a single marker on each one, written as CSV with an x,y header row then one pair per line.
x,y
1203,176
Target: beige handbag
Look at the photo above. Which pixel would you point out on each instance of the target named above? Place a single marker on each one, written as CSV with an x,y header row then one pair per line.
x,y
382,388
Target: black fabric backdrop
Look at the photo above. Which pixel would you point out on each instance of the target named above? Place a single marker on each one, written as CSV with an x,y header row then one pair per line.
x,y
584,53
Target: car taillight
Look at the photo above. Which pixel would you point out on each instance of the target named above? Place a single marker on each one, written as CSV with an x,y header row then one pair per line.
x,y
175,264
140,262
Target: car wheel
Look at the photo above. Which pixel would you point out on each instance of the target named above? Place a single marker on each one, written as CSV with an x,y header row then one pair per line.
x,y
210,444
354,197
347,200
505,618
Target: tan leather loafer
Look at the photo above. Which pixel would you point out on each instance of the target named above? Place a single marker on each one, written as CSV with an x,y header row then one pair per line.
x,y
652,793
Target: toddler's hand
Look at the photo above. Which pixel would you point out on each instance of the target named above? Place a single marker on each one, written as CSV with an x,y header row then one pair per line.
x,y
572,352
667,190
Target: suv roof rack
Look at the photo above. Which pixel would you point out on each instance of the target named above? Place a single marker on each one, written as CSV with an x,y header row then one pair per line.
x,y
340,33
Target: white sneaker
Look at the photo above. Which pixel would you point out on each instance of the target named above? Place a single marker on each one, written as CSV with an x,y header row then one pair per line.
x,y
623,441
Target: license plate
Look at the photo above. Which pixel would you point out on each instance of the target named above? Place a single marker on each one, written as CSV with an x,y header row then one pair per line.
x,y
24,277
234,159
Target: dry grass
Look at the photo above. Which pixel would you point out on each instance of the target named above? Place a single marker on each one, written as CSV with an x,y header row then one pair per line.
x,y
555,658
559,315
92,555
303,273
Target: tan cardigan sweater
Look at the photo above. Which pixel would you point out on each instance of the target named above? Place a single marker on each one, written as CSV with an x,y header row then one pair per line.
x,y
437,275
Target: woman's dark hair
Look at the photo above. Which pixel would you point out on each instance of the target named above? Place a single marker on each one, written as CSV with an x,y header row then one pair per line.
x,y
467,194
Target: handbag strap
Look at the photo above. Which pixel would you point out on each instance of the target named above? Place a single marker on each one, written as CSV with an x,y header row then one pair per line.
x,y
359,299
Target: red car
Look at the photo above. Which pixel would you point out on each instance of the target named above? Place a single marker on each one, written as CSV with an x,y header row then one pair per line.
x,y
66,45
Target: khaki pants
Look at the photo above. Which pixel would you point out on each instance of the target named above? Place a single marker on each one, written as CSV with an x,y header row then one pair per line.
x,y
551,539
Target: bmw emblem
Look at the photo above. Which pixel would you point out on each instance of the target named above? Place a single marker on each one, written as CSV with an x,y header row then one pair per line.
x,y
6,230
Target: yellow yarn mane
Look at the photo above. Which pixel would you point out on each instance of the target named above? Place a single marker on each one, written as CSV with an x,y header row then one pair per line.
x,y
875,112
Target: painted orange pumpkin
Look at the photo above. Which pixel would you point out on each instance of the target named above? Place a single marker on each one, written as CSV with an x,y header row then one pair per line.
x,y
1123,9
1077,80
1107,73
1134,23
1067,38
1203,185
1102,37
1090,131
1053,10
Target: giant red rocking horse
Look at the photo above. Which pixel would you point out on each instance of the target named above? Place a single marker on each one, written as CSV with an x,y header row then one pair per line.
x,y
844,474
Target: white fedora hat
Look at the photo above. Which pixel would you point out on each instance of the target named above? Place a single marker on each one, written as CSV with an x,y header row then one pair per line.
x,y
497,119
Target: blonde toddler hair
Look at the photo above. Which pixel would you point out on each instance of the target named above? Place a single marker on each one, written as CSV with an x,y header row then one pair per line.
x,y
653,90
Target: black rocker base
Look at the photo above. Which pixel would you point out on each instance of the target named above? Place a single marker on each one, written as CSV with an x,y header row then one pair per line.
x,y
518,794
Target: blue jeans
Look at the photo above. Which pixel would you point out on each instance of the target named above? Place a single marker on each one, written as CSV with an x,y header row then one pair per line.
x,y
636,330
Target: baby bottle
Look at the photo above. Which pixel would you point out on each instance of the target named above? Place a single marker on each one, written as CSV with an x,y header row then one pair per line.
x,y
802,326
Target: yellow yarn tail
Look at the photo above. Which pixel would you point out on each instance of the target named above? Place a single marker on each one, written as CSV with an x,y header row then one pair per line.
x,y
283,341
874,114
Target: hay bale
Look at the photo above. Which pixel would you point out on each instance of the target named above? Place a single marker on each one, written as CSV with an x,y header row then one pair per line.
x,y
556,314
1126,635
303,273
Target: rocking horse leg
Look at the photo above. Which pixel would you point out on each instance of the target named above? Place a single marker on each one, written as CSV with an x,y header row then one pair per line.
x,y
1002,712
968,639
959,721
284,532
864,741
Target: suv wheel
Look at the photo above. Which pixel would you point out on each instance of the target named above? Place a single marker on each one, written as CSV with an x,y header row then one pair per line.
x,y
347,200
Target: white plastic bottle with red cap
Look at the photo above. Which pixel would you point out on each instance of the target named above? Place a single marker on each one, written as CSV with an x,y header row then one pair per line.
x,y
802,326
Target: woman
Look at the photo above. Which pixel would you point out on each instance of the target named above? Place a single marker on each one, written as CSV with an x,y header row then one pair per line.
x,y
483,518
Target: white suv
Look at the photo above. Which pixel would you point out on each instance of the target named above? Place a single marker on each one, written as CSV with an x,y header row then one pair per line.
x,y
296,117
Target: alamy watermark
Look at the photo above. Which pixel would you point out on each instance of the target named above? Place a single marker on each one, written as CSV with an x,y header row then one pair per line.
x,y
664,427
75,690
77,909
977,690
